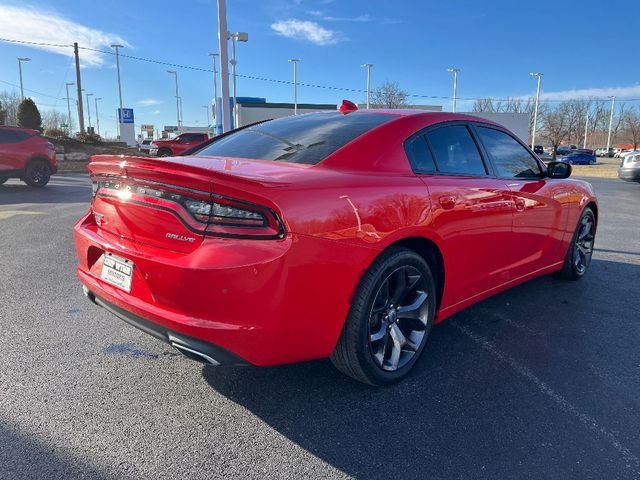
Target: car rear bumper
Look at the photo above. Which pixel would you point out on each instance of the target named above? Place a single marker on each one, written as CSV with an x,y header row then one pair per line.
x,y
265,302
629,174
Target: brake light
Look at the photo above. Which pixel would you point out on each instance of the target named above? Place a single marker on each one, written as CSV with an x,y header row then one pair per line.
x,y
208,213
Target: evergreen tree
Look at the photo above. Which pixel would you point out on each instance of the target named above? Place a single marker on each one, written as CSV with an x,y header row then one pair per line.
x,y
29,115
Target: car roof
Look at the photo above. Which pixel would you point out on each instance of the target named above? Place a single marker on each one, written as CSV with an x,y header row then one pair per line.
x,y
19,129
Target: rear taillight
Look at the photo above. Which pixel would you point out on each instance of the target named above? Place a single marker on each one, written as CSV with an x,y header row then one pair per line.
x,y
210,214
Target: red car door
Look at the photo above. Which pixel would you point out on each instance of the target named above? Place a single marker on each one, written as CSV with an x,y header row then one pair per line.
x,y
472,212
539,219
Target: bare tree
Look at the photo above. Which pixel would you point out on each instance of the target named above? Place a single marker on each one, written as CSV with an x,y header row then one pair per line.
x,y
389,95
555,126
631,127
53,120
10,102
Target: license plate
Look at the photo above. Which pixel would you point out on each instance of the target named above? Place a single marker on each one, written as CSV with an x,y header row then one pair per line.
x,y
117,271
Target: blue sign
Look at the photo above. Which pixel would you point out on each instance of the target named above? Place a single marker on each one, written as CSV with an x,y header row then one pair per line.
x,y
125,115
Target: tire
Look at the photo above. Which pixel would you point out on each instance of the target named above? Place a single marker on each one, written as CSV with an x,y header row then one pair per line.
x,y
578,257
164,152
592,162
380,342
37,173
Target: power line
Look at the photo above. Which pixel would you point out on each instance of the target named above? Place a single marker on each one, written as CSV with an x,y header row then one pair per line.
x,y
32,91
289,82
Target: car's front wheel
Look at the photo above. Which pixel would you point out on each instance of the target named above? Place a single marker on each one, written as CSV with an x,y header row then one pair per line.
x,y
578,257
37,173
389,320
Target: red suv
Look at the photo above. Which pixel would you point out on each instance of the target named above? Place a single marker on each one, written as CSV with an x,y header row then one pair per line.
x,y
24,154
178,145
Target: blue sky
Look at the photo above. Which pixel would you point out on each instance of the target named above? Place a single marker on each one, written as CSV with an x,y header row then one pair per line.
x,y
583,48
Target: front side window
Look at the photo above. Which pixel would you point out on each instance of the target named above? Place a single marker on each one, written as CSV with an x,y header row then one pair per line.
x,y
510,158
455,151
307,139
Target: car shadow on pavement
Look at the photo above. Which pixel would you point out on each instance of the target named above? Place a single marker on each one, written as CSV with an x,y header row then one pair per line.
x,y
464,412
62,189
22,457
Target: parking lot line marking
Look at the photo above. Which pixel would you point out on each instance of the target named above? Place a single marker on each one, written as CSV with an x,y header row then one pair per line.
x,y
631,460
4,214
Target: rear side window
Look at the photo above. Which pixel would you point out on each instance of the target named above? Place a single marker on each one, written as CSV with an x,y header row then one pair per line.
x,y
510,158
304,139
419,155
455,151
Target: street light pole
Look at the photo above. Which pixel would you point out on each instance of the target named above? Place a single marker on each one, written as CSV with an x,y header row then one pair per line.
x,y
20,60
215,92
117,47
586,130
455,72
89,107
69,107
613,103
173,72
97,115
295,84
236,37
368,67
535,110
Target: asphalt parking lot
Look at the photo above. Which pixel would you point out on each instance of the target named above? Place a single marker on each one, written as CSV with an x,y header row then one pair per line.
x,y
542,381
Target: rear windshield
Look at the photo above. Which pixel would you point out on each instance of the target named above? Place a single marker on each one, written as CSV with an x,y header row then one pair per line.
x,y
304,139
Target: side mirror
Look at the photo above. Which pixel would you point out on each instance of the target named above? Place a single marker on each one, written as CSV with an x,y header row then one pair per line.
x,y
558,170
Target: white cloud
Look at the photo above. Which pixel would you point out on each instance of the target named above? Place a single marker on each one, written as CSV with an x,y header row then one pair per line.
x,y
156,112
619,92
306,30
32,24
320,15
149,102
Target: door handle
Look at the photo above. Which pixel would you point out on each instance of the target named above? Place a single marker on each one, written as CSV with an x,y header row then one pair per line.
x,y
447,201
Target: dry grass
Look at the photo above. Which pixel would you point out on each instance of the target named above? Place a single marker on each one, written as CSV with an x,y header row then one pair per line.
x,y
602,171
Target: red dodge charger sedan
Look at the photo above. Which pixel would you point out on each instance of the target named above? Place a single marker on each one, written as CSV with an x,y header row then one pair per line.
x,y
342,234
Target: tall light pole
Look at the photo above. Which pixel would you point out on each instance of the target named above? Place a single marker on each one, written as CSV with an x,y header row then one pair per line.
x,y
215,92
295,84
20,60
97,115
455,72
116,47
69,106
223,45
586,130
89,107
613,104
208,116
173,72
535,110
368,67
236,37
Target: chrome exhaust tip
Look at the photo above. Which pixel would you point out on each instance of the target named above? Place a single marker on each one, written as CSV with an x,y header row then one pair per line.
x,y
191,352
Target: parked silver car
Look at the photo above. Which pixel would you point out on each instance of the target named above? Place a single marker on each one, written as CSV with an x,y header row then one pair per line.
x,y
630,168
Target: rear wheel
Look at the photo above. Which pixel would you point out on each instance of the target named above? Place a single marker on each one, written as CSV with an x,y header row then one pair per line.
x,y
578,258
389,321
37,173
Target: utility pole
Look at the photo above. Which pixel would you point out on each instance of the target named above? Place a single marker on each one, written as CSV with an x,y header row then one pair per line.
x,y
79,86
20,60
613,103
455,72
89,108
295,84
97,115
173,72
368,67
117,47
215,93
69,106
208,116
535,111
223,44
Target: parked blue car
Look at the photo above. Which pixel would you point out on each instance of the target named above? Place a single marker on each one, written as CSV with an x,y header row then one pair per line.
x,y
579,157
